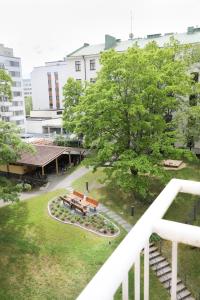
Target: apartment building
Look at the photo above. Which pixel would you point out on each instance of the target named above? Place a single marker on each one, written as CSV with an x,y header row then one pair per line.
x,y
13,111
47,85
27,87
84,63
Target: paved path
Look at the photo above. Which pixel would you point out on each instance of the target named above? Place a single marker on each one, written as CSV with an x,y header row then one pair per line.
x,y
115,217
55,182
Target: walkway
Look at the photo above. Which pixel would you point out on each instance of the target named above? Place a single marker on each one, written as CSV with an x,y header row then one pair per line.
x,y
55,182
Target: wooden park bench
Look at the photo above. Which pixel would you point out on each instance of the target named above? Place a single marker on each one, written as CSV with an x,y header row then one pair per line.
x,y
77,194
74,204
67,200
80,208
92,202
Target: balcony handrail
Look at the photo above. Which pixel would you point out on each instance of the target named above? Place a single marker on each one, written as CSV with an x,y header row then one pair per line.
x,y
107,280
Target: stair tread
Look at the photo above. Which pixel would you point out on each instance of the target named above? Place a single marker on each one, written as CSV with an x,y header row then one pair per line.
x,y
154,254
164,271
152,249
156,260
184,293
160,265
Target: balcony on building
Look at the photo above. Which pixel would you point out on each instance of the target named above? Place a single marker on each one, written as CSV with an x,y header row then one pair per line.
x,y
127,256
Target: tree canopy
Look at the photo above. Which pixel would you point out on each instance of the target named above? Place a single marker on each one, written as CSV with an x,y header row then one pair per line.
x,y
72,92
126,117
11,145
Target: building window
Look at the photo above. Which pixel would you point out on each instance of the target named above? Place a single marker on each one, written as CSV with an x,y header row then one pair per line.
x,y
77,65
14,74
92,64
16,84
17,94
50,90
14,63
93,80
57,90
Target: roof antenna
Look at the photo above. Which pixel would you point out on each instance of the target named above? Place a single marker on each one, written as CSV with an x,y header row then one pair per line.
x,y
131,34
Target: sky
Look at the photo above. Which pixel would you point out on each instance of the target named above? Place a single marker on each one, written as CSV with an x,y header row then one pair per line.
x,y
47,30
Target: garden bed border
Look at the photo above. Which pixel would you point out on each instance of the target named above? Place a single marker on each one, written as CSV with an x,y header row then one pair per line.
x,y
85,228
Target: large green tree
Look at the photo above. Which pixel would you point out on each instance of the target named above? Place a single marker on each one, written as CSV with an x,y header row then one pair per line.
x,y
126,116
72,92
11,145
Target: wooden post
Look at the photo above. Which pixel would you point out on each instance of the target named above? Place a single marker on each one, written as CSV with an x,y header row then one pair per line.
x,y
57,166
70,160
43,171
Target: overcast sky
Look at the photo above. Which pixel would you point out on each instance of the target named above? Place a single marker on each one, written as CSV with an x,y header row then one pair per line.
x,y
47,30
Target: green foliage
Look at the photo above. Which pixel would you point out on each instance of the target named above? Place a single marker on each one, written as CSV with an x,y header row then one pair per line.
x,y
72,91
155,238
28,105
61,140
126,116
11,147
5,86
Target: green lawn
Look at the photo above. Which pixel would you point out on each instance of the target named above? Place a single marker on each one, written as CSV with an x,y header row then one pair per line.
x,y
180,211
41,258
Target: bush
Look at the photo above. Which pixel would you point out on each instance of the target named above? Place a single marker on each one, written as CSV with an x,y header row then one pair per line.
x,y
62,217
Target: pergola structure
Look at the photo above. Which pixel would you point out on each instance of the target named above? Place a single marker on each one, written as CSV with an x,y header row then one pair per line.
x,y
45,154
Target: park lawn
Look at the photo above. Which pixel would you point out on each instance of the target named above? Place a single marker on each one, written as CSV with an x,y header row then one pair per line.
x,y
180,211
41,258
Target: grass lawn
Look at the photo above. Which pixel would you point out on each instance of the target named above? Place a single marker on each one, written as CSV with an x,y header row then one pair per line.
x,y
41,258
180,211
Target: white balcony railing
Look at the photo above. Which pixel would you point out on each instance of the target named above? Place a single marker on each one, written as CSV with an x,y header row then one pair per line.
x,y
115,271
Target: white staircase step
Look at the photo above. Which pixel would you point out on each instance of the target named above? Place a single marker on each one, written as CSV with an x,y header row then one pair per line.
x,y
156,260
160,265
164,271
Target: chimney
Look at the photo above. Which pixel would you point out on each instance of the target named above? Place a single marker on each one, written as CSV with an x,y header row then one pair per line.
x,y
110,41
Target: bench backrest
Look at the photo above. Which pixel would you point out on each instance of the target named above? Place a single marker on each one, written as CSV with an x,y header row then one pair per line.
x,y
65,199
92,201
78,194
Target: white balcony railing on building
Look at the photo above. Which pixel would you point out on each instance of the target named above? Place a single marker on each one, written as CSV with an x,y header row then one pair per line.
x,y
115,271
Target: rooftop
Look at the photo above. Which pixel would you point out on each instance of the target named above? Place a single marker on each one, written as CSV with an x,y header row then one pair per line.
x,y
44,154
192,36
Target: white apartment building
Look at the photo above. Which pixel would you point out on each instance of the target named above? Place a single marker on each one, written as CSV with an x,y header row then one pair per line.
x,y
13,111
27,87
47,85
83,64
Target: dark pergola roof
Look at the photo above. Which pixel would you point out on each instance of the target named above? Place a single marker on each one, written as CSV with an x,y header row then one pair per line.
x,y
43,155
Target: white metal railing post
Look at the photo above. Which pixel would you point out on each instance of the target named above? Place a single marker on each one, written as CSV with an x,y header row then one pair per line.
x,y
125,288
146,271
137,277
174,270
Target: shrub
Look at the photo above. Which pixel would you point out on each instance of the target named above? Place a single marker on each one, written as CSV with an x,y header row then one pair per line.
x,y
62,217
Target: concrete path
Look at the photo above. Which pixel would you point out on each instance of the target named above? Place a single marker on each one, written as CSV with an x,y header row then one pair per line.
x,y
55,182
115,217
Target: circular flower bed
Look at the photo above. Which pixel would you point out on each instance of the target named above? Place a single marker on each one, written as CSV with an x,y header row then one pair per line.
x,y
93,222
